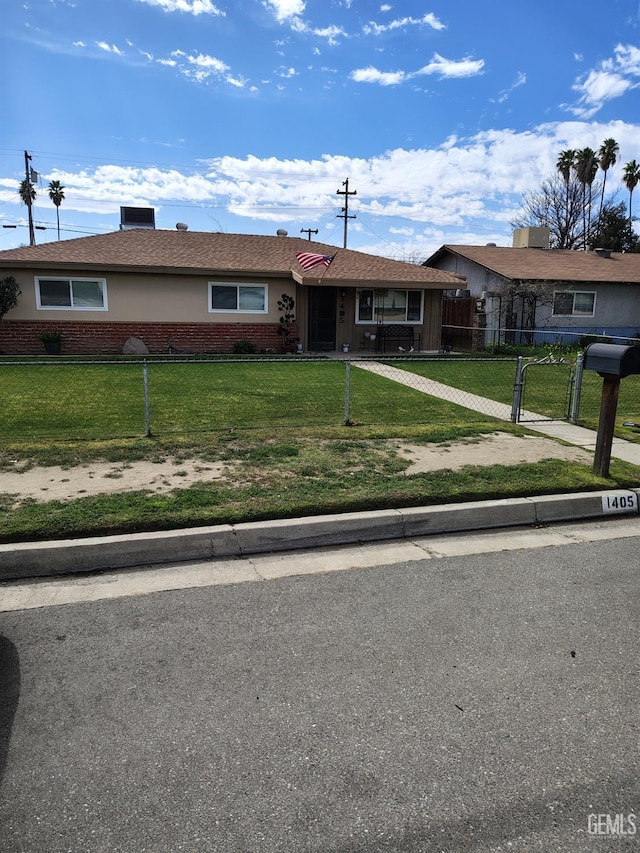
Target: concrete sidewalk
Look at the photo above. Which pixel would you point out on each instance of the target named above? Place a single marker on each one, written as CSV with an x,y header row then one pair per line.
x,y
560,430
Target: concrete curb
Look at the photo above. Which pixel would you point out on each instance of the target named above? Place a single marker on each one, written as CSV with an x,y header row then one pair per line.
x,y
33,559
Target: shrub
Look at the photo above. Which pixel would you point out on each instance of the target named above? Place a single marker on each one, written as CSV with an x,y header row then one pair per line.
x,y
244,348
585,340
9,293
50,336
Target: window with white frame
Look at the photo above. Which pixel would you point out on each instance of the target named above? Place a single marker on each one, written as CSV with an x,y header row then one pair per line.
x,y
386,305
567,303
241,298
75,294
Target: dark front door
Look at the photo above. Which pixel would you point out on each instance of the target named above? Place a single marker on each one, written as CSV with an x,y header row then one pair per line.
x,y
322,319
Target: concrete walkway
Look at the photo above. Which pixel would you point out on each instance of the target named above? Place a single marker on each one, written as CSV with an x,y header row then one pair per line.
x,y
561,430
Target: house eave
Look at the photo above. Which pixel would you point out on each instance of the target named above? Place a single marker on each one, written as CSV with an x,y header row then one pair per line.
x,y
368,284
143,269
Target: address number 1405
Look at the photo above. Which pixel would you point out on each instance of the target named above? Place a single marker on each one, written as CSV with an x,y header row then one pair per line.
x,y
615,502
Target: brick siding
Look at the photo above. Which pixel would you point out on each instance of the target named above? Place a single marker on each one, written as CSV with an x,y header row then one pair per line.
x,y
20,337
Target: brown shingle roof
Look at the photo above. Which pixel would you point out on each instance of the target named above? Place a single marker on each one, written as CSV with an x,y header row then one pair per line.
x,y
522,264
192,251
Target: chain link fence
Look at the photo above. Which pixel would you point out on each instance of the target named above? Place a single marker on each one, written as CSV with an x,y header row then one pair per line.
x,y
59,399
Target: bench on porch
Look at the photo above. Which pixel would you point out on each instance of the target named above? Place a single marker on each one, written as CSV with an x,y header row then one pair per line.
x,y
398,337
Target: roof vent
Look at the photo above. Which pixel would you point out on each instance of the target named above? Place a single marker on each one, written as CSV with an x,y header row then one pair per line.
x,y
493,245
282,232
603,253
182,226
137,217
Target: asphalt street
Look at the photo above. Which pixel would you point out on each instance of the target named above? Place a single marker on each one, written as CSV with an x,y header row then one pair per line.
x,y
482,701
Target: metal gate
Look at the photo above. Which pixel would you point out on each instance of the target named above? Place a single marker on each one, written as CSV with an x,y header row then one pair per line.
x,y
563,395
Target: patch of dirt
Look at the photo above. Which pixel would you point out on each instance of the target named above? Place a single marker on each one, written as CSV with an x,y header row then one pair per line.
x,y
55,483
101,478
493,449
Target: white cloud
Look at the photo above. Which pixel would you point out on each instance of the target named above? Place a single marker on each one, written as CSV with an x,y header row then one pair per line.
x,y
373,75
611,79
444,67
331,33
209,63
627,59
520,80
193,7
238,82
108,187
465,190
466,67
199,67
429,20
285,9
109,48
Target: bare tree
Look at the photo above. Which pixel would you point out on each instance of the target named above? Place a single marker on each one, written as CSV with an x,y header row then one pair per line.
x,y
559,206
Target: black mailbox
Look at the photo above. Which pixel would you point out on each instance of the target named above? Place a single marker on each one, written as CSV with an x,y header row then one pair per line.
x,y
612,359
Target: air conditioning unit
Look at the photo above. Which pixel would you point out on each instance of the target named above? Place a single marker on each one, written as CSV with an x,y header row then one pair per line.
x,y
531,238
137,217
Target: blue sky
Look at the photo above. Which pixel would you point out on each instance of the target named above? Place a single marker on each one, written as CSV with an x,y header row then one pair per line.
x,y
246,116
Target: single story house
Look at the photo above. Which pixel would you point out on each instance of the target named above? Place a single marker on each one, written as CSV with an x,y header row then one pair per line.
x,y
539,295
187,291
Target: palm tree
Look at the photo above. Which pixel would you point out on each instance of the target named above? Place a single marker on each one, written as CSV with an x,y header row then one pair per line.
x,y
607,157
27,192
56,194
564,165
586,167
630,178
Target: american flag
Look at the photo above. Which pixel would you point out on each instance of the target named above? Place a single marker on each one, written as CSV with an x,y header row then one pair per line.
x,y
308,260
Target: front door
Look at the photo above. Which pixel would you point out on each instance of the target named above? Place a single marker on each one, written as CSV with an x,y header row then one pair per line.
x,y
322,319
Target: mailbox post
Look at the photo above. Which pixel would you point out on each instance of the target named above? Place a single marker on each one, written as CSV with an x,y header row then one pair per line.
x,y
613,363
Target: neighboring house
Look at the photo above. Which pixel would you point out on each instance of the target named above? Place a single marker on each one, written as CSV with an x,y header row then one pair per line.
x,y
540,295
203,292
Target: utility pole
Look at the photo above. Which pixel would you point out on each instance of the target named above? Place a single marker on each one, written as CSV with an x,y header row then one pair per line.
x,y
345,210
32,233
309,231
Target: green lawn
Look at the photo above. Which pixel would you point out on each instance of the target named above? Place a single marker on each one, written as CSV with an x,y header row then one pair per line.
x,y
313,472
61,401
545,389
278,425
66,400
